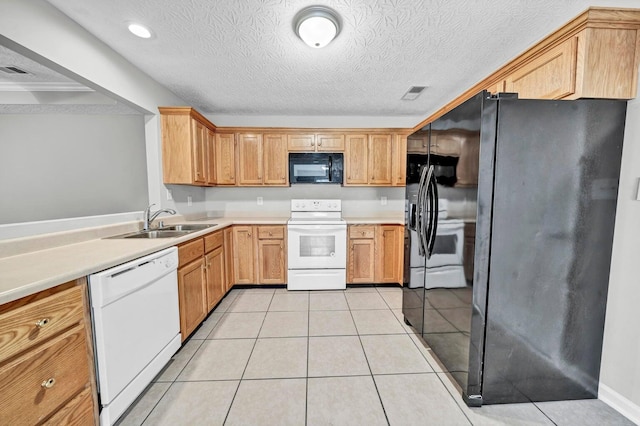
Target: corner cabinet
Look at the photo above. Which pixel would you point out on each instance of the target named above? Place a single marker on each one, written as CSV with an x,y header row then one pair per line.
x,y
46,358
375,254
188,147
201,279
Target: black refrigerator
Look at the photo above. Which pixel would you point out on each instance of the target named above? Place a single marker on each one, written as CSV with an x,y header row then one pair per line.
x,y
529,326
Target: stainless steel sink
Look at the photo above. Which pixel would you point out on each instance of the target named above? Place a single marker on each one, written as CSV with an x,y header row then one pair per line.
x,y
187,227
170,231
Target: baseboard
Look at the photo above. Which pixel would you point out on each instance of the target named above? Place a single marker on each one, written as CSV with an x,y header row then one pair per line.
x,y
619,403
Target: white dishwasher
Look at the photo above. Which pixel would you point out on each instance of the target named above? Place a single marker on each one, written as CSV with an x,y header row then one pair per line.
x,y
136,327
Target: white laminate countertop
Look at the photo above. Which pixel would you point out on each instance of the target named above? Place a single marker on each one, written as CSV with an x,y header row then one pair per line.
x,y
28,273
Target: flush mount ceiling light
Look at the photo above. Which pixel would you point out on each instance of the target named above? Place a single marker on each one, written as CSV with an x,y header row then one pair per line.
x,y
139,30
317,25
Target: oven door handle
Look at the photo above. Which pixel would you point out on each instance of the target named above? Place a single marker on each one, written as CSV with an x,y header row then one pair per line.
x,y
316,229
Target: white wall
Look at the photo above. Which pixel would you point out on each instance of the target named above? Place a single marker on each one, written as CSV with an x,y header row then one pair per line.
x,y
66,165
620,373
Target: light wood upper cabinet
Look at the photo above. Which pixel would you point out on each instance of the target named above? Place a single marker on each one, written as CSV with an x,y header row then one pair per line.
x,y
315,142
330,142
550,76
225,158
301,142
187,147
275,160
380,159
356,160
375,159
262,159
250,168
399,165
418,142
469,161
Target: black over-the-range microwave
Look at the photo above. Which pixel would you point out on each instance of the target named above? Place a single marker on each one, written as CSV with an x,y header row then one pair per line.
x,y
320,167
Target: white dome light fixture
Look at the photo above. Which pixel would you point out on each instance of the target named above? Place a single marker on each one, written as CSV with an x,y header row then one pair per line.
x,y
317,25
139,30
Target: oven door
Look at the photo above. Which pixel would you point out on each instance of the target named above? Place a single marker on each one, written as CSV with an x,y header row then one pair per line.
x,y
448,246
317,246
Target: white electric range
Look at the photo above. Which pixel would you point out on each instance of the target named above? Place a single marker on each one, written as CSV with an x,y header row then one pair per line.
x,y
317,246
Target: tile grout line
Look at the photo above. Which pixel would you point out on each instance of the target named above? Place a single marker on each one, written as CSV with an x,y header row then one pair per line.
x,y
455,400
247,364
306,380
544,414
384,411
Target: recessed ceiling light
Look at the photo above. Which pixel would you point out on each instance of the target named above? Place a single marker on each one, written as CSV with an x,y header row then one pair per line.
x,y
140,30
413,93
317,25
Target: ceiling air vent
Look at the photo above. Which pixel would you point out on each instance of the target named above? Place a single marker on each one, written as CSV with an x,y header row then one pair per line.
x,y
10,69
413,93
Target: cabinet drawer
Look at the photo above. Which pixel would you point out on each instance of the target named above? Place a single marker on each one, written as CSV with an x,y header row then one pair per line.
x,y
188,252
31,324
213,241
362,231
24,398
78,411
270,232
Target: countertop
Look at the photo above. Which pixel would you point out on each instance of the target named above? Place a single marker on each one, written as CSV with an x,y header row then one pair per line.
x,y
34,271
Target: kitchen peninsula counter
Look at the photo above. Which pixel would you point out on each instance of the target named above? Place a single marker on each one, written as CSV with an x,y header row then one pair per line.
x,y
40,269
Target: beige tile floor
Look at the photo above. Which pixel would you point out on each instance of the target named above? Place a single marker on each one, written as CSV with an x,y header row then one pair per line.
x,y
272,357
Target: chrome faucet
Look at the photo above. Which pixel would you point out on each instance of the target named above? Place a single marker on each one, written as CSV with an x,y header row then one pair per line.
x,y
149,217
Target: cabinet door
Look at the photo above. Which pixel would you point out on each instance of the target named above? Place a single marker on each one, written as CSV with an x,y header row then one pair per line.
x,y
271,262
380,159
243,255
225,158
228,258
214,266
192,293
361,261
389,246
418,143
330,142
274,148
210,171
356,162
301,142
249,159
399,160
550,76
199,151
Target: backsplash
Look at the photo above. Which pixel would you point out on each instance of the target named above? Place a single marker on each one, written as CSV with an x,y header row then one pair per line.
x,y
356,201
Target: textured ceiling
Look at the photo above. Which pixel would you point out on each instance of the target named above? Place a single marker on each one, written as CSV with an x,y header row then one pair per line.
x,y
243,58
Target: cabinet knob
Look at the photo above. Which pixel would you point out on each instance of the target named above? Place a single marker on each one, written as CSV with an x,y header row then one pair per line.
x,y
363,233
43,322
319,143
48,384
248,234
270,233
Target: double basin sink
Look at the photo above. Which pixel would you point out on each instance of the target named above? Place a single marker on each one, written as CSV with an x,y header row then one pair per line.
x,y
166,231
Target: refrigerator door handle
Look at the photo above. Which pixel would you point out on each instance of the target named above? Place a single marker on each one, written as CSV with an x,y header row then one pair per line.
x,y
420,211
433,188
427,214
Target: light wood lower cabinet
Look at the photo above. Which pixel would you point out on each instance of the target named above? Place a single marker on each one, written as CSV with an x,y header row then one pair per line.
x,y
228,259
46,358
375,254
201,279
259,254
